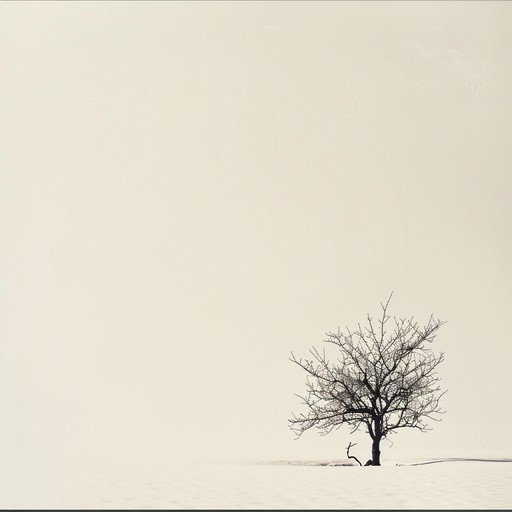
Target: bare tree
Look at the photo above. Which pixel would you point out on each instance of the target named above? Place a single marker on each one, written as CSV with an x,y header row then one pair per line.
x,y
384,378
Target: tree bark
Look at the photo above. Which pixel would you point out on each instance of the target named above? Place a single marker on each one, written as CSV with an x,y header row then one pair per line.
x,y
377,431
376,452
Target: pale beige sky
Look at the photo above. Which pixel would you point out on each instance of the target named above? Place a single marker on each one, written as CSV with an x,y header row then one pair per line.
x,y
190,190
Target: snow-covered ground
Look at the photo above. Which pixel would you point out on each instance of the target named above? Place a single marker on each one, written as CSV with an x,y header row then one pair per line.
x,y
429,483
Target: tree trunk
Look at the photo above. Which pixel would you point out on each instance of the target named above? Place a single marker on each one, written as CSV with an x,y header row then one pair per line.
x,y
377,436
376,452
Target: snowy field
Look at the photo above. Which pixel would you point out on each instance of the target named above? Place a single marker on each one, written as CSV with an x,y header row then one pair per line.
x,y
190,191
434,483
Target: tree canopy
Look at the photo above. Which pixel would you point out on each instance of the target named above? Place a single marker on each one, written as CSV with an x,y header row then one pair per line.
x,y
383,379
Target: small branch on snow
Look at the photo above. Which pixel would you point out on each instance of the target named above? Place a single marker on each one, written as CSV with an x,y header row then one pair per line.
x,y
351,456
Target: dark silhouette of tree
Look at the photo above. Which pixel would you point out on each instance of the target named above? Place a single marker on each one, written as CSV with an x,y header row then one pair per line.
x,y
384,378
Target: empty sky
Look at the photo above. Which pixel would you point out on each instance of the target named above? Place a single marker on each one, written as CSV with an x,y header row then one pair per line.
x,y
190,190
